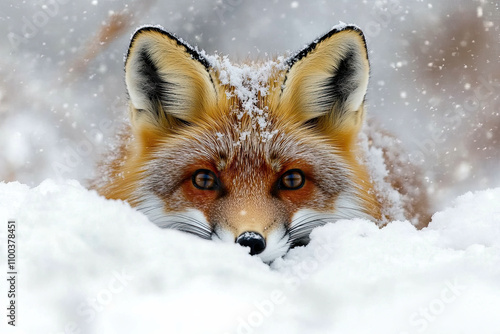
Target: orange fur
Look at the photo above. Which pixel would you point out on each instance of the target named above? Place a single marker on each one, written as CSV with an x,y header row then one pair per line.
x,y
248,125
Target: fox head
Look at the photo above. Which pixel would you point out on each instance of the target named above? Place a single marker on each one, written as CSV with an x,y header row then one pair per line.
x,y
258,154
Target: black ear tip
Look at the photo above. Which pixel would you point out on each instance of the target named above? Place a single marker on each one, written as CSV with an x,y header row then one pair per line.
x,y
351,27
160,30
138,32
342,27
145,28
345,27
149,28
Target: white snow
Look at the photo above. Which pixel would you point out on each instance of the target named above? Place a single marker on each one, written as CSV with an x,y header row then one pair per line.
x,y
375,161
91,265
248,82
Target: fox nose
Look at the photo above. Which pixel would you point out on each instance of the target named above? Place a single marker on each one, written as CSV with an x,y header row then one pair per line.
x,y
254,240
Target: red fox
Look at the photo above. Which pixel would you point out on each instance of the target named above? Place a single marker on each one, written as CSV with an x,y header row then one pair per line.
x,y
259,153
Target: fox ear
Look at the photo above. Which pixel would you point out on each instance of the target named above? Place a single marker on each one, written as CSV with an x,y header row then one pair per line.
x,y
327,80
166,78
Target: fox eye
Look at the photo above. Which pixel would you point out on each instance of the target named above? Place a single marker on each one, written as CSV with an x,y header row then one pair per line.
x,y
292,180
205,180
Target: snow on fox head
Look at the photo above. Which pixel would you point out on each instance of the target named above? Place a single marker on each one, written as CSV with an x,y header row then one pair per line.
x,y
257,154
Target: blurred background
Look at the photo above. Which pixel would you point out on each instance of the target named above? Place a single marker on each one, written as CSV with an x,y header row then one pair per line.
x,y
435,78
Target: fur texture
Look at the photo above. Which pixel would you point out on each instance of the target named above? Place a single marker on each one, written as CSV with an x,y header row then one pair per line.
x,y
247,126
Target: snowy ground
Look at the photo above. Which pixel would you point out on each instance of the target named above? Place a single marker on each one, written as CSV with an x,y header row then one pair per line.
x,y
89,265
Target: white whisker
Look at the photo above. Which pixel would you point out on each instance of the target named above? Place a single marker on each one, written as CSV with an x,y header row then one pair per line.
x,y
190,221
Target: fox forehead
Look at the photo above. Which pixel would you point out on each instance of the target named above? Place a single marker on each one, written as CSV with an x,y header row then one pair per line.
x,y
250,158
248,130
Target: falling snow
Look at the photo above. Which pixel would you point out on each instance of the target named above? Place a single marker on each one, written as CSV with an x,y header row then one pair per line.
x,y
434,84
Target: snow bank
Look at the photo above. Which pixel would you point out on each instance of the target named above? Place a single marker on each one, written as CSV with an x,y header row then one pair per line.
x,y
90,265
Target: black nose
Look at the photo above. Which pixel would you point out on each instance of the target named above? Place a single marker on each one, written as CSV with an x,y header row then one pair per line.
x,y
254,240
